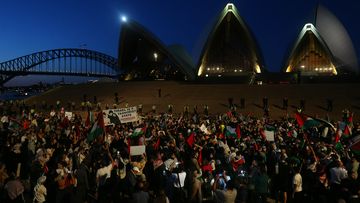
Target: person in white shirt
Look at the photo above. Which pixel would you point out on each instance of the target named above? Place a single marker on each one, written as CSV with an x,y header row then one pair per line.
x,y
338,173
178,176
297,186
103,173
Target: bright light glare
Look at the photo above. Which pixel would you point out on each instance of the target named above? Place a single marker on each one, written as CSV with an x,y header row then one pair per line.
x,y
123,18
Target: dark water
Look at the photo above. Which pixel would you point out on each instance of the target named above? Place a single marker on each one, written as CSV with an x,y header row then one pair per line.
x,y
14,95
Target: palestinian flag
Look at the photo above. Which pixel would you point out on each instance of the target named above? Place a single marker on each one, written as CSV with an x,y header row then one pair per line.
x,y
98,128
306,122
345,128
348,121
138,131
230,132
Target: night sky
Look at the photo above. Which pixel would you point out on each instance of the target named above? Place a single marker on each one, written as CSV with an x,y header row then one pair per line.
x,y
37,25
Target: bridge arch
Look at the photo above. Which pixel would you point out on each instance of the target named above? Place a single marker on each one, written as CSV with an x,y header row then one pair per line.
x,y
25,65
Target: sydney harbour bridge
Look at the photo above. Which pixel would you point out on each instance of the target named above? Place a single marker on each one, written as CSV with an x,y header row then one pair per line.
x,y
69,62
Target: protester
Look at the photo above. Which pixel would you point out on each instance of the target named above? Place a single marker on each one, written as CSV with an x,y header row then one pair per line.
x,y
40,190
189,157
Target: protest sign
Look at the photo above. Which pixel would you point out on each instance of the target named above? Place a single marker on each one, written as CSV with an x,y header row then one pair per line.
x,y
122,115
137,150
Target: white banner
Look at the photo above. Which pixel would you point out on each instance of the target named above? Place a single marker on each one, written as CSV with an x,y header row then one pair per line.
x,y
269,135
123,115
137,150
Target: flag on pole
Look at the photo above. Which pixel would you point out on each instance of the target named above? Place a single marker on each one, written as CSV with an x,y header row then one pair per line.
x,y
345,128
98,128
348,124
306,122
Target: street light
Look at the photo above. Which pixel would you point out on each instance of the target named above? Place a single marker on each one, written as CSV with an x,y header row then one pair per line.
x,y
155,56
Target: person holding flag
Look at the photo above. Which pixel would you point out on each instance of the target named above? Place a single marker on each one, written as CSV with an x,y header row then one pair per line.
x,y
98,128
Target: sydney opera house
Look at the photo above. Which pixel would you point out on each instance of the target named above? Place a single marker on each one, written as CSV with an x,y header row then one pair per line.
x,y
323,50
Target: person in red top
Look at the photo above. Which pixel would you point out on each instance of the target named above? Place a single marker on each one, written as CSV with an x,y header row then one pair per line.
x,y
237,161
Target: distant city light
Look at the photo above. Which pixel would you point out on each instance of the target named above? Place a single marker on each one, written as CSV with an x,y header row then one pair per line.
x,y
124,19
302,66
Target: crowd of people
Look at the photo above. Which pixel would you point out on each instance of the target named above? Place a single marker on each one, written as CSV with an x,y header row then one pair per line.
x,y
192,157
